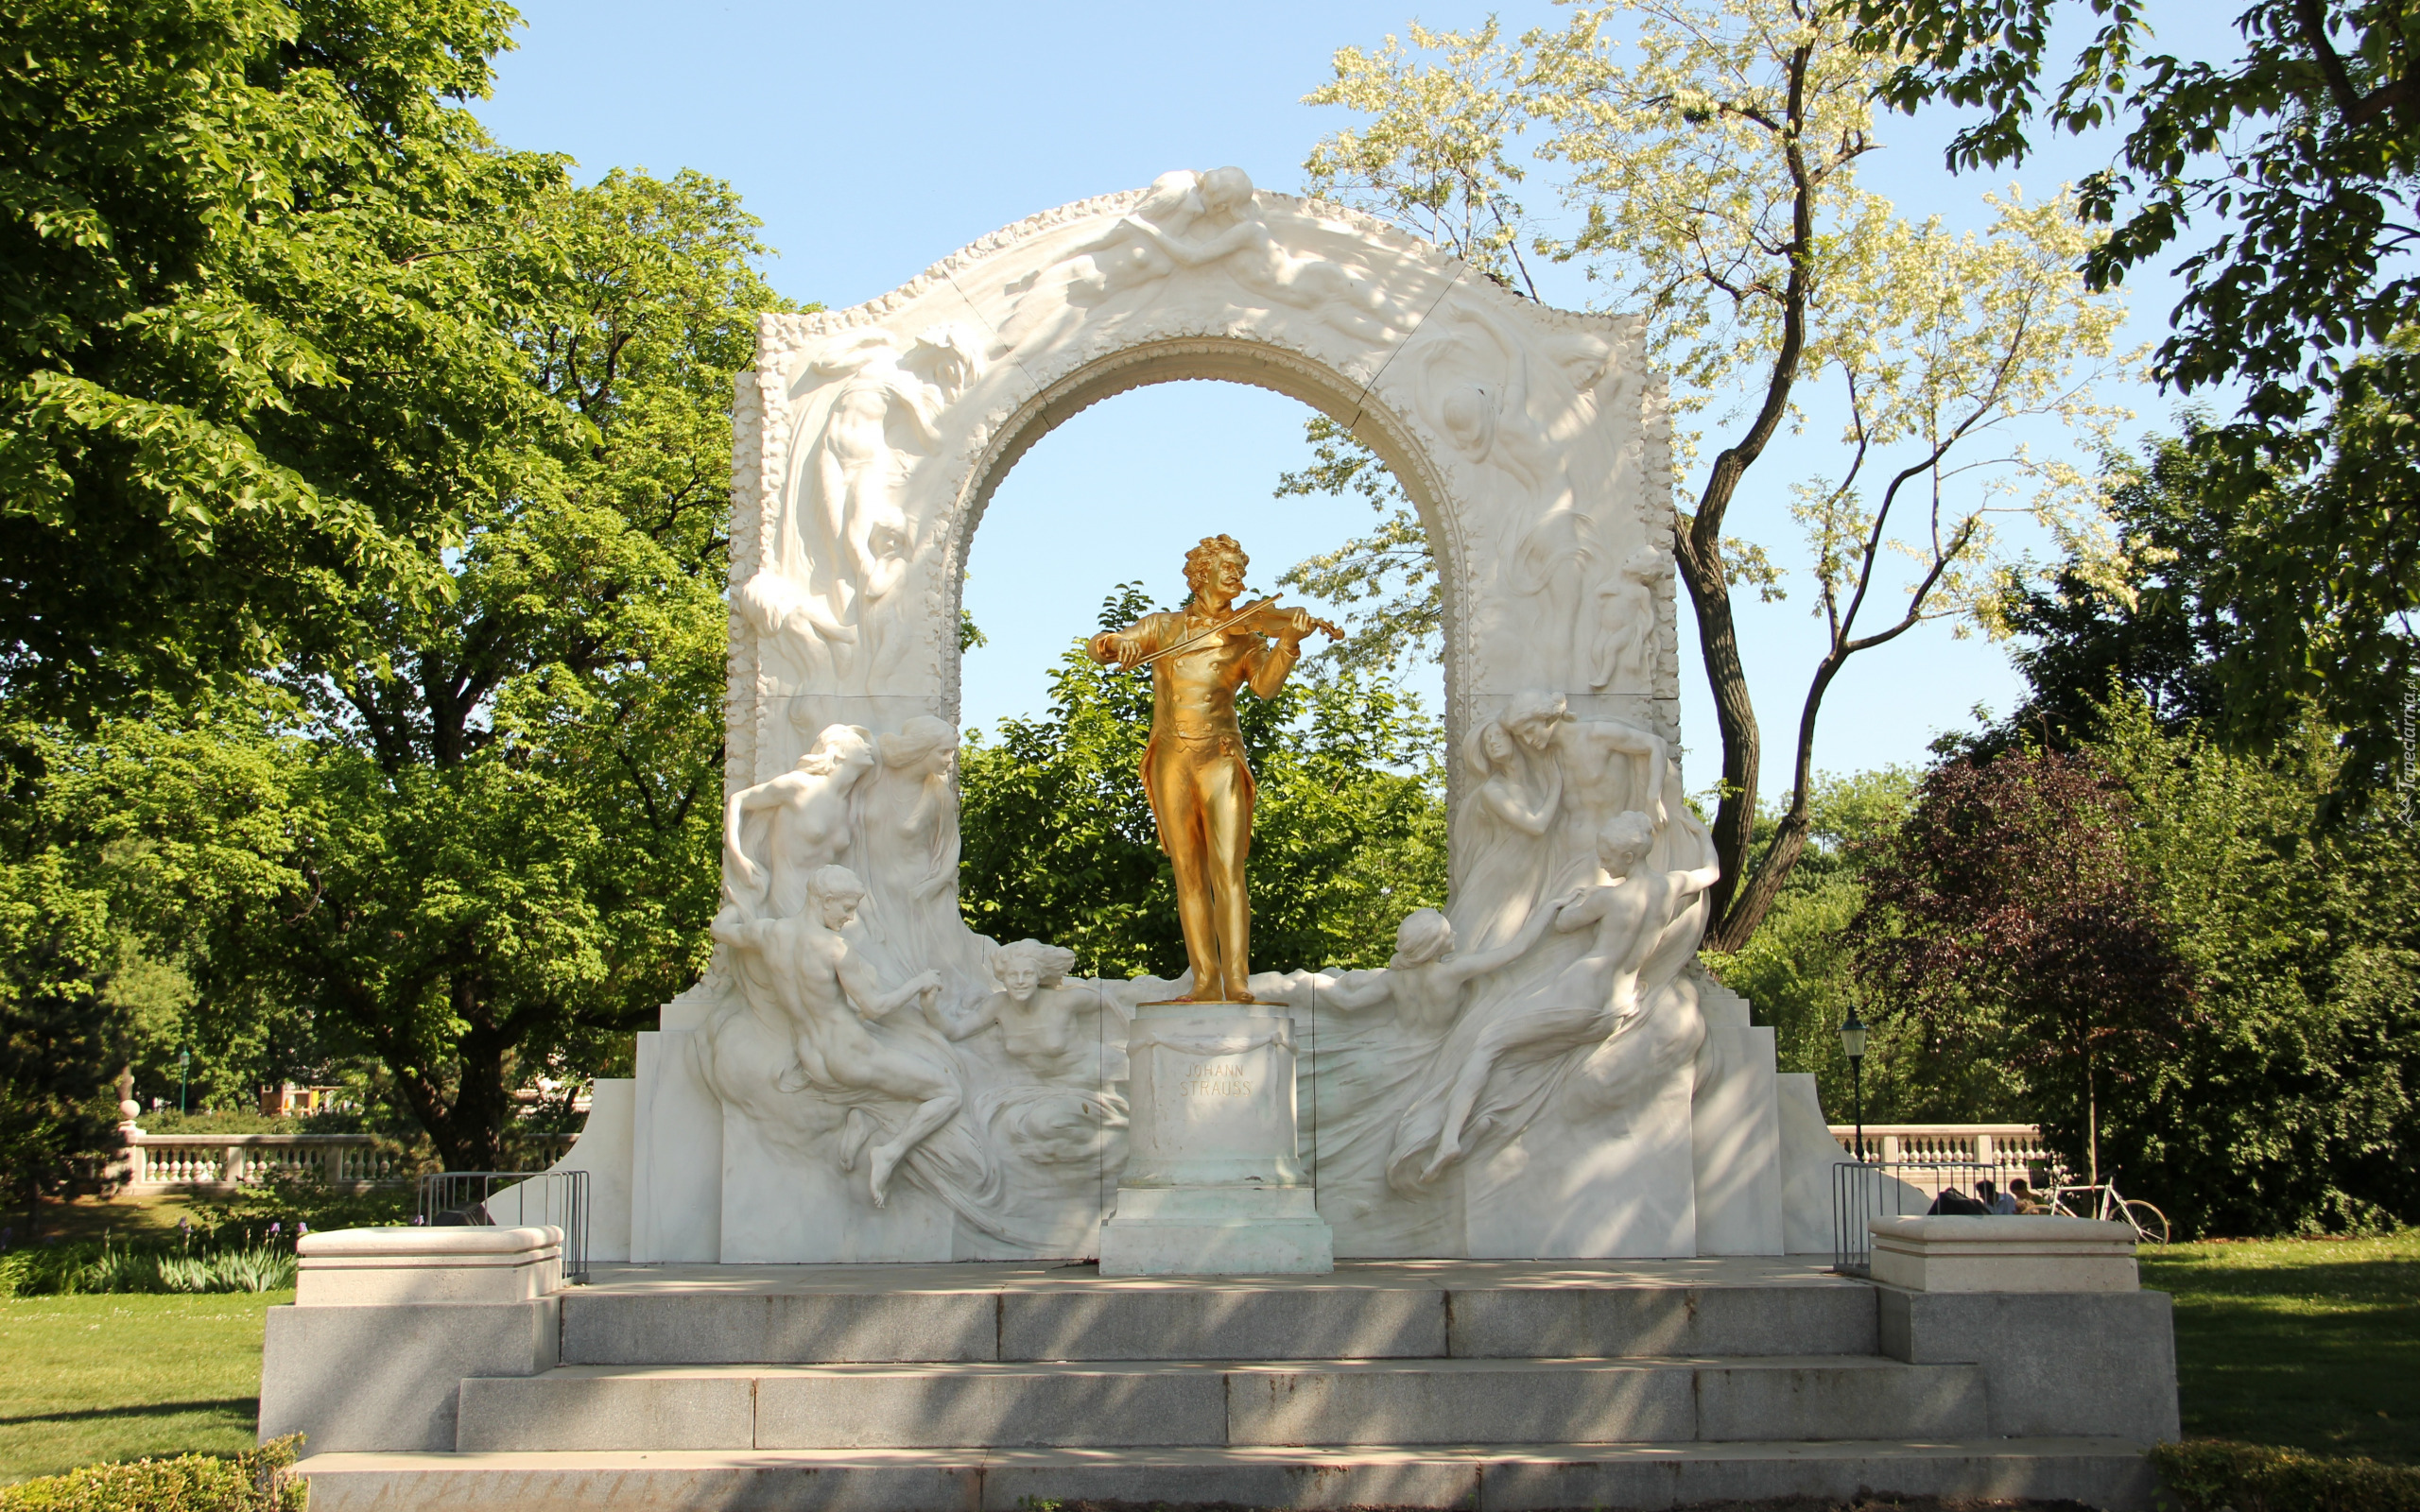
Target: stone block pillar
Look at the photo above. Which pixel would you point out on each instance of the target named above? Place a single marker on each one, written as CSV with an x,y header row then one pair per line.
x,y
388,1322
1212,1183
2049,1307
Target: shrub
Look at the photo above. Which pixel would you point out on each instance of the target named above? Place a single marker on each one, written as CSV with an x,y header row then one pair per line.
x,y
262,1269
40,1270
2209,1475
52,1270
258,1480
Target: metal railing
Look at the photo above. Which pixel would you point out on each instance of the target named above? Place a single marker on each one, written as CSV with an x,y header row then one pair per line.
x,y
1864,1191
228,1160
508,1199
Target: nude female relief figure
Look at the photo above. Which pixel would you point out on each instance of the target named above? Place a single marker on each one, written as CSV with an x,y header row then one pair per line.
x,y
1425,980
803,816
1594,997
1045,1025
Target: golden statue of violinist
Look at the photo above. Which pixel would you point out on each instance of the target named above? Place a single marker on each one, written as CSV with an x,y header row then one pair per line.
x,y
1194,769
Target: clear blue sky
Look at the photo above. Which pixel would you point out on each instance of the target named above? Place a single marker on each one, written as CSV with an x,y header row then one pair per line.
x,y
873,140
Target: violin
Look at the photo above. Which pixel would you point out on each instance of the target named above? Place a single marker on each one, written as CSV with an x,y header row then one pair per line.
x,y
1263,616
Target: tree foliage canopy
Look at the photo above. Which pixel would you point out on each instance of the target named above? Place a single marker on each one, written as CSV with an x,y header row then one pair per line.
x,y
2008,918
2285,185
1713,169
259,270
477,836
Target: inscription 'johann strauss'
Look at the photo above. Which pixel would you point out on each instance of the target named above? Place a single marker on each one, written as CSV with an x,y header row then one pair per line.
x,y
1214,1080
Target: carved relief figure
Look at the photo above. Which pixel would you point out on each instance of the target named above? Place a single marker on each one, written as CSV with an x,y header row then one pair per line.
x,y
1610,767
831,995
1045,1025
907,826
1519,791
1230,234
1117,259
1194,769
1588,1000
1621,652
844,542
801,817
1424,979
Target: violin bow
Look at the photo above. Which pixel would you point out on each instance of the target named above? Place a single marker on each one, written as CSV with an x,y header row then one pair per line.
x,y
1237,617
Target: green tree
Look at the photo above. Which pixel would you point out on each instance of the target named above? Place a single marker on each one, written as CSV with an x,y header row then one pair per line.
x,y
119,846
495,821
1348,824
2288,1105
1716,181
2009,923
259,289
2282,185
58,1031
2292,1102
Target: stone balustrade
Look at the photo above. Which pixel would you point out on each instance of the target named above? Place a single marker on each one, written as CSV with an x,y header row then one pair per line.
x,y
222,1162
2011,1147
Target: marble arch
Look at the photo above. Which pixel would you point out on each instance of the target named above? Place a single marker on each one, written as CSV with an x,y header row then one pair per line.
x,y
1579,1089
1533,441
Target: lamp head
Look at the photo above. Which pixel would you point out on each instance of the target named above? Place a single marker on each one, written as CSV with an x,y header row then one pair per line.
x,y
1852,1037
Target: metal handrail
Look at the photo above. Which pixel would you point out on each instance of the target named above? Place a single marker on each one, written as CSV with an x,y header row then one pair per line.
x,y
508,1198
1863,1190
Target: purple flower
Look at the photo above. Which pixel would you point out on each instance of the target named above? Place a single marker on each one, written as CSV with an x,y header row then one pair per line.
x,y
276,1229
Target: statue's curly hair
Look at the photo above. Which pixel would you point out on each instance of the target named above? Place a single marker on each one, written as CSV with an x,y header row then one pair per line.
x,y
1198,560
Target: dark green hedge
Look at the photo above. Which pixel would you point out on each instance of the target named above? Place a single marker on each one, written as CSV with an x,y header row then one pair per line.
x,y
257,1481
2209,1475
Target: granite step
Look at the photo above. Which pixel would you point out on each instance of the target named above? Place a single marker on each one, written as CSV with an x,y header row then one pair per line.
x,y
1347,1320
2098,1471
1219,1404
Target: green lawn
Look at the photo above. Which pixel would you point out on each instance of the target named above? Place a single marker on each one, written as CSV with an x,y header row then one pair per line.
x,y
119,1377
2309,1344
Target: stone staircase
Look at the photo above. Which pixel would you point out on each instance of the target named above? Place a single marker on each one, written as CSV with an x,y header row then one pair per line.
x,y
1411,1383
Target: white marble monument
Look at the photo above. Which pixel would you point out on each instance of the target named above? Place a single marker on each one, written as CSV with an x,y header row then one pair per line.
x,y
1541,1070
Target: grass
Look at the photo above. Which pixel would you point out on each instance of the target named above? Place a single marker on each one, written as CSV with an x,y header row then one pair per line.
x,y
117,1376
2307,1344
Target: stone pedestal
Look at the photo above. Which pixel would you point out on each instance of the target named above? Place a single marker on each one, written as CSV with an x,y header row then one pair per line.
x,y
2032,1253
1213,1185
388,1323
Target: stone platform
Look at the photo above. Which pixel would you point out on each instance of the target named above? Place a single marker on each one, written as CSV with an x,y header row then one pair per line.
x,y
1421,1384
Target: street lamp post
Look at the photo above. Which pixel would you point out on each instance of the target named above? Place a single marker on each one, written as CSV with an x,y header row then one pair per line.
x,y
1853,1046
184,1063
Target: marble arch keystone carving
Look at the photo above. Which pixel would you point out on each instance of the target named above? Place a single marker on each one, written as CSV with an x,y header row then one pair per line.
x,y
859,1078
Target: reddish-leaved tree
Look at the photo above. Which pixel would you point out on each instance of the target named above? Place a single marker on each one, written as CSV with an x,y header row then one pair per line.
x,y
2008,914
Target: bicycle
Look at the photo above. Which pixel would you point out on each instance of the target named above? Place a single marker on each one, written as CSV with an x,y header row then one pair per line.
x,y
2149,1223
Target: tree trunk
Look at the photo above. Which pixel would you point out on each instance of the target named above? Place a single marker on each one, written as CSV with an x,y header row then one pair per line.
x,y
468,1129
1698,551
1734,713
